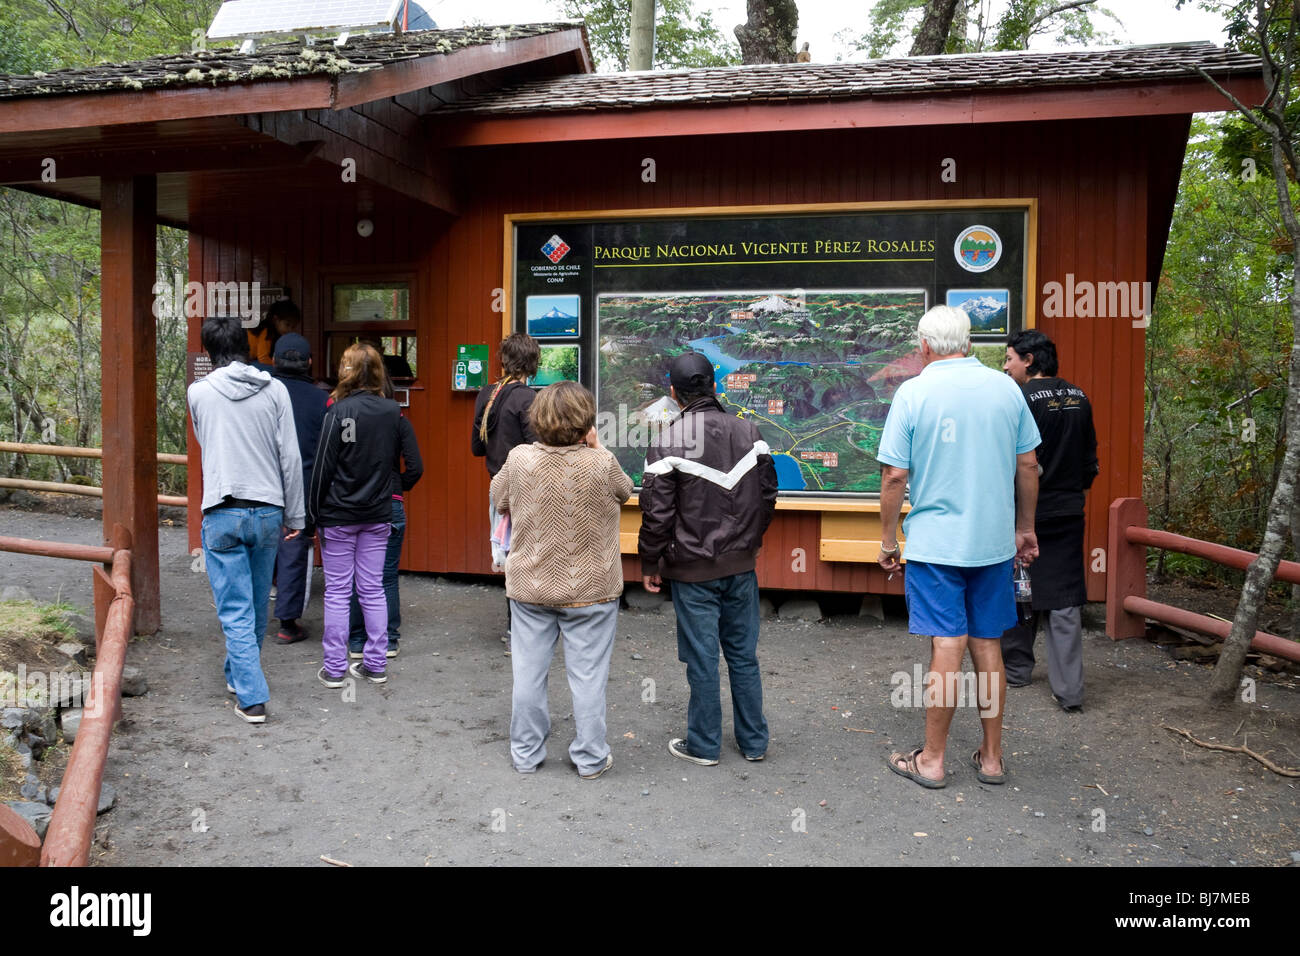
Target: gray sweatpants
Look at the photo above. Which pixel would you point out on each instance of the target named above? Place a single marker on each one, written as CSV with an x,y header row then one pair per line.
x,y
1064,636
1065,654
588,634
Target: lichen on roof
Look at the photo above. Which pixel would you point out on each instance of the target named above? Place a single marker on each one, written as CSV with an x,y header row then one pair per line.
x,y
270,62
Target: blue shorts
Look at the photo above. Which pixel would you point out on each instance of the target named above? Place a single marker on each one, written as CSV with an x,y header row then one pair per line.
x,y
947,601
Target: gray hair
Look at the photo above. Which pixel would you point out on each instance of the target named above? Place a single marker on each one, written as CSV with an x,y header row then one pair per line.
x,y
946,329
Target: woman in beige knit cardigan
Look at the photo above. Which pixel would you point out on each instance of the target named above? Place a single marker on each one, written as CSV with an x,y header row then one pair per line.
x,y
564,575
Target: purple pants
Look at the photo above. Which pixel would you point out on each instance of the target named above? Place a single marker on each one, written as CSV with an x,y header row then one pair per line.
x,y
348,550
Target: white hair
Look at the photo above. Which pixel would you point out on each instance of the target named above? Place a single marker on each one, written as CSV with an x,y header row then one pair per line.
x,y
946,330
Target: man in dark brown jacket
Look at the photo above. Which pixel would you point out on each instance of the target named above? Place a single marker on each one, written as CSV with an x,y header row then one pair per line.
x,y
707,497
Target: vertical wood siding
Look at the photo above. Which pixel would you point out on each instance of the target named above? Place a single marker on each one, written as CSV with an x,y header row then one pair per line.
x,y
1090,179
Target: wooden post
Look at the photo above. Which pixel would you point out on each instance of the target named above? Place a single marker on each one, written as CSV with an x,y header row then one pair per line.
x,y
19,844
1126,569
129,416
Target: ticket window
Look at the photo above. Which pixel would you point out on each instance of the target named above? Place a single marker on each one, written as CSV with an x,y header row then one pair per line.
x,y
379,314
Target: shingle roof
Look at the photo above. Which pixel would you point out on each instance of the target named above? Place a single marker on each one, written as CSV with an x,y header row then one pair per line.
x,y
873,78
270,61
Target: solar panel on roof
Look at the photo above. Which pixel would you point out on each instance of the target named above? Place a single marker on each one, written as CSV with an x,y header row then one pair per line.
x,y
259,18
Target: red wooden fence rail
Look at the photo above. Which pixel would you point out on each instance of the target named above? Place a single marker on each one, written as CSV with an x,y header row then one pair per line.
x,y
76,451
1127,606
72,825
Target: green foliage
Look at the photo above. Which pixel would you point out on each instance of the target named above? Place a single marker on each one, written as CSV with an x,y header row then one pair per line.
x,y
684,37
1181,565
978,27
49,253
1217,353
81,32
19,52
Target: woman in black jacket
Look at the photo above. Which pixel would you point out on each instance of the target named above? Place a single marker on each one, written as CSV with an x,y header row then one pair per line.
x,y
501,423
350,502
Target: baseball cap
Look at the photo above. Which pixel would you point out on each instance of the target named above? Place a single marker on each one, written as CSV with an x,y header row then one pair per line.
x,y
691,372
293,342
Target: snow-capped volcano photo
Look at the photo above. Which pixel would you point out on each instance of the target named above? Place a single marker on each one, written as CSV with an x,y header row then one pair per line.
x,y
987,308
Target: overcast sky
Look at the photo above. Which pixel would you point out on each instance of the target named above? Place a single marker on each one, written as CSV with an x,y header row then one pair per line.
x,y
1144,21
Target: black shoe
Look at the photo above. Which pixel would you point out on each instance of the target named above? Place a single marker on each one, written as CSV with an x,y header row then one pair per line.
x,y
677,747
291,632
360,671
255,714
1068,708
329,681
1017,683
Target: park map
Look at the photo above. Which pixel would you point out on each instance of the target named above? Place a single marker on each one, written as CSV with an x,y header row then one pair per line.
x,y
815,372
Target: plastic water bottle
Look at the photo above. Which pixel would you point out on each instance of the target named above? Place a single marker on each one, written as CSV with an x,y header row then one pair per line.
x,y
1024,593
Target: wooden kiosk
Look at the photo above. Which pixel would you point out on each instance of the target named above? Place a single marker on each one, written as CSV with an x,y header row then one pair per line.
x,y
384,185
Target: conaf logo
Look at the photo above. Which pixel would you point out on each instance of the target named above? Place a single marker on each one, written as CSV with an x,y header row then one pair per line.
x,y
555,249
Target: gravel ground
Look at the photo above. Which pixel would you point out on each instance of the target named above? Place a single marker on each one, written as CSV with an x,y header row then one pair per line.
x,y
417,771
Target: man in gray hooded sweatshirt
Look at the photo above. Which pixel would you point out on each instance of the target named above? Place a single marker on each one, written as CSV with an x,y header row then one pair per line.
x,y
252,494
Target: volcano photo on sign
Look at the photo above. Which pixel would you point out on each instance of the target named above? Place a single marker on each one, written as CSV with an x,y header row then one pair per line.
x,y
553,316
986,308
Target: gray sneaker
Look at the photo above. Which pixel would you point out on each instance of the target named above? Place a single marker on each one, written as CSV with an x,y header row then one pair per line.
x,y
609,762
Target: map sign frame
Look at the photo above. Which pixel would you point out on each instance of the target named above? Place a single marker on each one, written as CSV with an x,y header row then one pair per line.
x,y
807,311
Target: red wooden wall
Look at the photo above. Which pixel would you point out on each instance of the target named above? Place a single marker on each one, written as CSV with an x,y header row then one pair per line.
x,y
1091,179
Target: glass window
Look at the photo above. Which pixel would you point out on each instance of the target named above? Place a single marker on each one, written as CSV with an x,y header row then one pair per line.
x,y
399,353
372,303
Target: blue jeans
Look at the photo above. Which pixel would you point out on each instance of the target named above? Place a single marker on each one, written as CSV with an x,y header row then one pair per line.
x,y
239,547
712,613
356,624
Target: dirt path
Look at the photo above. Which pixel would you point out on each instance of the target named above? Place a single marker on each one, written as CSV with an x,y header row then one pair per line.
x,y
417,771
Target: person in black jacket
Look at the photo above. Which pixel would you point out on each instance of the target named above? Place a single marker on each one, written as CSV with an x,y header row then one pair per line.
x,y
404,480
293,369
707,497
350,502
501,422
1068,458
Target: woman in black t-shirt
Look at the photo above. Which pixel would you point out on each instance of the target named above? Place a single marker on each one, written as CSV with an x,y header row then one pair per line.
x,y
501,423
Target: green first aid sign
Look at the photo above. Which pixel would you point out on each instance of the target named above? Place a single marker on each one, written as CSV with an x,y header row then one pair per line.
x,y
470,371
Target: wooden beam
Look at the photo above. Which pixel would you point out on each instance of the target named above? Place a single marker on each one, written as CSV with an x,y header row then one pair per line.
x,y
419,72
959,109
128,350
430,185
33,113
77,165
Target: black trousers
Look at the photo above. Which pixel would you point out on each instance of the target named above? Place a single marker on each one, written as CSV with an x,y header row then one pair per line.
x,y
291,577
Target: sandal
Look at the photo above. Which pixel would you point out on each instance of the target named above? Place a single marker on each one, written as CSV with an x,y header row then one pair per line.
x,y
982,777
911,772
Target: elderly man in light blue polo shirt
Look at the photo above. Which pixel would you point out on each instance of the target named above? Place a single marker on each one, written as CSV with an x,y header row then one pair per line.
x,y
962,434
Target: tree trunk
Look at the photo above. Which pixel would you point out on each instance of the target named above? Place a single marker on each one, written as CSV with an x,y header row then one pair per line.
x,y
956,42
768,36
1227,672
1295,588
641,48
933,36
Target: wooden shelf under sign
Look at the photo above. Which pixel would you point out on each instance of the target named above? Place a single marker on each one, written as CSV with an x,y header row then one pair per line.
x,y
850,529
